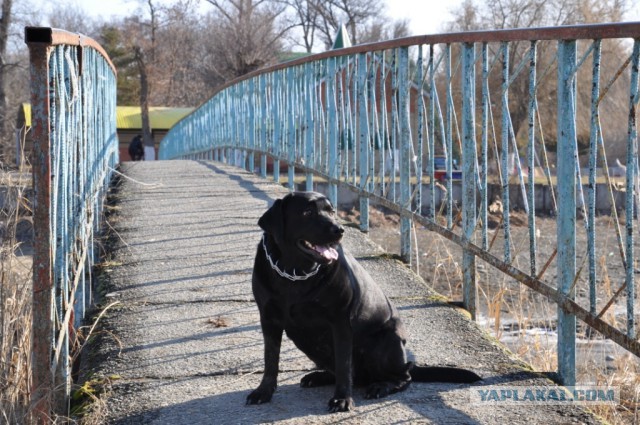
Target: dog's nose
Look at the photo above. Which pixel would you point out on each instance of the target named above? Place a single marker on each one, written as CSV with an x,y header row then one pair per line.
x,y
338,230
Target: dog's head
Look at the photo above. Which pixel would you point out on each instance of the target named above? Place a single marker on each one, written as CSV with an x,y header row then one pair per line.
x,y
303,224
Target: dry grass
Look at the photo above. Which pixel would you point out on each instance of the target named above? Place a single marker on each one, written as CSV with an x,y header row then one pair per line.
x,y
15,305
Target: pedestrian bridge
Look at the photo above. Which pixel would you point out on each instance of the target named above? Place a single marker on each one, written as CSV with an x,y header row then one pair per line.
x,y
372,120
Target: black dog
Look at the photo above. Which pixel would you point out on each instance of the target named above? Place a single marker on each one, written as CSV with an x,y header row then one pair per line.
x,y
305,284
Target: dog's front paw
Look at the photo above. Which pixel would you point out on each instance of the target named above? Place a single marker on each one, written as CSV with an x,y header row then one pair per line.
x,y
260,395
341,404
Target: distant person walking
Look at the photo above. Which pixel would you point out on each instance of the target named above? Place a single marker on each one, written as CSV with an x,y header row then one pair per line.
x,y
136,151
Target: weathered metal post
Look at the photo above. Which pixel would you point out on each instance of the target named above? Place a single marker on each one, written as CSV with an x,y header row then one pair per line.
x,y
566,167
42,325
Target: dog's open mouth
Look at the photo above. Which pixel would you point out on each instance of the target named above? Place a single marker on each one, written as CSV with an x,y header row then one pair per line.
x,y
326,253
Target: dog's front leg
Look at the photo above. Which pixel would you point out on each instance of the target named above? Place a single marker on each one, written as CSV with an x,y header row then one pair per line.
x,y
272,335
342,400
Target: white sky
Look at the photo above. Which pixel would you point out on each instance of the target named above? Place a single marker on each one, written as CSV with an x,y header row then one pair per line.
x,y
425,16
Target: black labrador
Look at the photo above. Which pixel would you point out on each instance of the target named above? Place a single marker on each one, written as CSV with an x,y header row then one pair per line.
x,y
305,284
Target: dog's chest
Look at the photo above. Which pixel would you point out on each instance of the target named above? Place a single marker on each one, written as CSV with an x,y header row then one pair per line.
x,y
305,313
295,312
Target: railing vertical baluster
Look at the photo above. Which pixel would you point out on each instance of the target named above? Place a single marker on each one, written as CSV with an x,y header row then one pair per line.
x,y
393,130
406,148
420,125
449,136
309,90
332,129
384,123
363,140
290,112
506,172
276,94
432,134
372,108
264,119
352,109
593,161
469,175
631,194
484,203
566,166
251,99
531,158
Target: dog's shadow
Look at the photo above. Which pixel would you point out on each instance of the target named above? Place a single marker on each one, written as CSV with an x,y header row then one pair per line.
x,y
293,404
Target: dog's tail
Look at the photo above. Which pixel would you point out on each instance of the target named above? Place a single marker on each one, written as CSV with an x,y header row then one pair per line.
x,y
443,374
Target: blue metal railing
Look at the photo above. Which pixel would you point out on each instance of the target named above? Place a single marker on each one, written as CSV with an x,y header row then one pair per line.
x,y
73,98
377,119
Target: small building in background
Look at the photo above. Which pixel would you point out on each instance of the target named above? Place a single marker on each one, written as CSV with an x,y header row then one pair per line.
x,y
128,125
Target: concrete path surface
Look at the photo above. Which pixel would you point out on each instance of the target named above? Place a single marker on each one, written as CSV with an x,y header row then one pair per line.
x,y
183,345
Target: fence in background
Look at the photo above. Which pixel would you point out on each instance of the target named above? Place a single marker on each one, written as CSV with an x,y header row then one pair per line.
x,y
388,120
73,98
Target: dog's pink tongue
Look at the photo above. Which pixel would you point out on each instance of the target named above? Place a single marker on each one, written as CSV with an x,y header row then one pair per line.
x,y
327,252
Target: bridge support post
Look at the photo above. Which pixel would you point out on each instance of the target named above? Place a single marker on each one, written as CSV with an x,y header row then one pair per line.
x,y
469,174
566,225
43,384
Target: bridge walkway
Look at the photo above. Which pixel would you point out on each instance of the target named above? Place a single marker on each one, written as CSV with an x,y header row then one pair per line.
x,y
182,345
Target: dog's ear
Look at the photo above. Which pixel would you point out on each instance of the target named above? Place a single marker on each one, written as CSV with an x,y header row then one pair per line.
x,y
272,221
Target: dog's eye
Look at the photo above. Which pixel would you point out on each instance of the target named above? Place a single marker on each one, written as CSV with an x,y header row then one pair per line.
x,y
307,213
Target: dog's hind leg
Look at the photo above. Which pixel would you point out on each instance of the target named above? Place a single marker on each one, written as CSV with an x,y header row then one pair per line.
x,y
318,378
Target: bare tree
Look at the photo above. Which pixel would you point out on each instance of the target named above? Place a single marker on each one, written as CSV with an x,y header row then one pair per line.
x,y
381,28
5,23
304,16
70,18
181,38
245,35
353,14
140,36
501,14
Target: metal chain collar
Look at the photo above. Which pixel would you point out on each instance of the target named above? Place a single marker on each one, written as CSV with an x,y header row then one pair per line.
x,y
293,277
